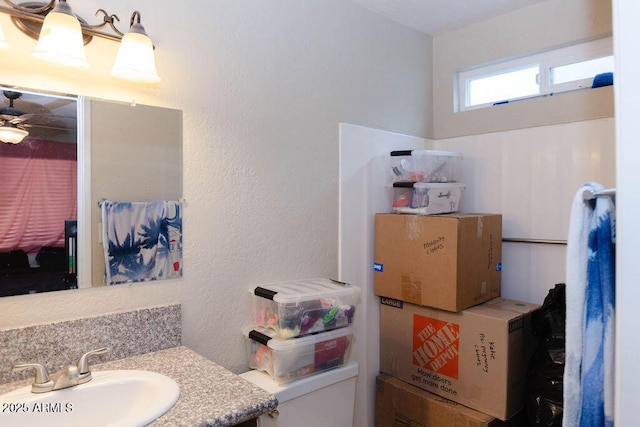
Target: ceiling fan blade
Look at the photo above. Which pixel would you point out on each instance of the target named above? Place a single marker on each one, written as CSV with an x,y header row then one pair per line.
x,y
51,121
45,117
30,103
59,103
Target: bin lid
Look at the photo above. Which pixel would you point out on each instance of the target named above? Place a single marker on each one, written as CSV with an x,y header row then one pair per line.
x,y
304,290
429,185
270,338
398,153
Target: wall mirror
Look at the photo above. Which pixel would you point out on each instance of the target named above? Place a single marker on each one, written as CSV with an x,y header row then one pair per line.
x,y
77,152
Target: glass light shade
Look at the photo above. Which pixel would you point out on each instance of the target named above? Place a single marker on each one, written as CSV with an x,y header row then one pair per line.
x,y
60,39
135,61
12,135
3,42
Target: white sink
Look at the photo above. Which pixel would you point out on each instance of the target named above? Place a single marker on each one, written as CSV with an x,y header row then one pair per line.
x,y
112,398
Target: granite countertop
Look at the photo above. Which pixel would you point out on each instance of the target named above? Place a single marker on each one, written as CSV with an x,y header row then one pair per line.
x,y
210,395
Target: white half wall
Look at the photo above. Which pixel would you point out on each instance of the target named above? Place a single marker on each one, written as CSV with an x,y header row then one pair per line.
x,y
530,177
362,195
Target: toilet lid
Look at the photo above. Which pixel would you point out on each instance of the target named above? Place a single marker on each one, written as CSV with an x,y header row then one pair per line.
x,y
297,388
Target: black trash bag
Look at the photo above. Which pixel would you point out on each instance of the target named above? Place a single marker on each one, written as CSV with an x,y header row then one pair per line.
x,y
543,392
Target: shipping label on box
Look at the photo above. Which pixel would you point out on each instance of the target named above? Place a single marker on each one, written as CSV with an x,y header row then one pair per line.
x,y
450,262
477,357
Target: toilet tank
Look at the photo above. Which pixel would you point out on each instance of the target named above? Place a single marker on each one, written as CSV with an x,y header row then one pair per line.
x,y
321,400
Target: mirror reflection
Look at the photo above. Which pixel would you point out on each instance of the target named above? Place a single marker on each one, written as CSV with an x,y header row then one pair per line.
x,y
51,231
38,172
136,156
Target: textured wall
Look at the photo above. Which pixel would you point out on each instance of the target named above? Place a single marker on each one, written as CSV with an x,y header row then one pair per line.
x,y
263,86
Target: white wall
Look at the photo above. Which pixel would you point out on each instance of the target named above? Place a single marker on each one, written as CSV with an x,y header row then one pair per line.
x,y
363,178
530,176
263,85
541,26
626,34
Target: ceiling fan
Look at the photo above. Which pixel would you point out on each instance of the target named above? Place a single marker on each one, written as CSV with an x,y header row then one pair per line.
x,y
41,117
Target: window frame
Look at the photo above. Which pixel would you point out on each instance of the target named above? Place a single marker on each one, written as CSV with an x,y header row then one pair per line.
x,y
545,61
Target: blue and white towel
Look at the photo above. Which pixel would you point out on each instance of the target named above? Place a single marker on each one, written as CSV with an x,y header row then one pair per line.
x,y
589,365
142,240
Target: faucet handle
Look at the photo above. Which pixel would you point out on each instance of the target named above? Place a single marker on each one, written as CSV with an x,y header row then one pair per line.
x,y
83,364
42,382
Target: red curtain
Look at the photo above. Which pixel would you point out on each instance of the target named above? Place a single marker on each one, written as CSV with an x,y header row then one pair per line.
x,y
38,192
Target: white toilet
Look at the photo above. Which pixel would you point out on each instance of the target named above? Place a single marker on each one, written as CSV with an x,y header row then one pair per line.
x,y
320,400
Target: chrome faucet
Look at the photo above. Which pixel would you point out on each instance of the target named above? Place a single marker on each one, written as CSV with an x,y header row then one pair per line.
x,y
84,374
68,376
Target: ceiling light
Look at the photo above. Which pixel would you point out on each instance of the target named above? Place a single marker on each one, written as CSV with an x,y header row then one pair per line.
x,y
11,126
60,39
135,61
11,134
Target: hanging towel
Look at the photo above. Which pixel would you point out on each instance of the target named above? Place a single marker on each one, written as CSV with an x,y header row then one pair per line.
x,y
589,368
142,240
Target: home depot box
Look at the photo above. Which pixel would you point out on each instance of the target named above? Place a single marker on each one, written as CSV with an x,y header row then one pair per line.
x,y
450,261
477,357
400,404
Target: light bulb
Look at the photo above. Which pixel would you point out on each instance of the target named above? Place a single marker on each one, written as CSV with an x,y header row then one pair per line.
x,y
3,42
60,40
11,134
135,61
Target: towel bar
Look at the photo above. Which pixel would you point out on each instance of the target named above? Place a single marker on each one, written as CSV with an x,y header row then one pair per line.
x,y
590,195
544,241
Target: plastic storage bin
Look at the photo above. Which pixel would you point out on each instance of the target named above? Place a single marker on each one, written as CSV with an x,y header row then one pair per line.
x,y
303,307
424,198
289,359
424,166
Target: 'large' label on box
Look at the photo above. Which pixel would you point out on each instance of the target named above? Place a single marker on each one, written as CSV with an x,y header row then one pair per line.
x,y
436,345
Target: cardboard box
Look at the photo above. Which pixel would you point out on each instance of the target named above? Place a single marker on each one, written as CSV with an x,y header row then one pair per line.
x,y
399,404
477,357
450,261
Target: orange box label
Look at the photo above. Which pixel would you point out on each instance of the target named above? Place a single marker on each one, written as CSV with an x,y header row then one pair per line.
x,y
435,345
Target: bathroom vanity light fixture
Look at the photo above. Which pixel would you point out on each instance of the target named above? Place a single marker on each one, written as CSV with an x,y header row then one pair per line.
x,y
62,35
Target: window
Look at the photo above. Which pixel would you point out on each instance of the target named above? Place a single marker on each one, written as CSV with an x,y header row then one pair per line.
x,y
40,177
554,71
